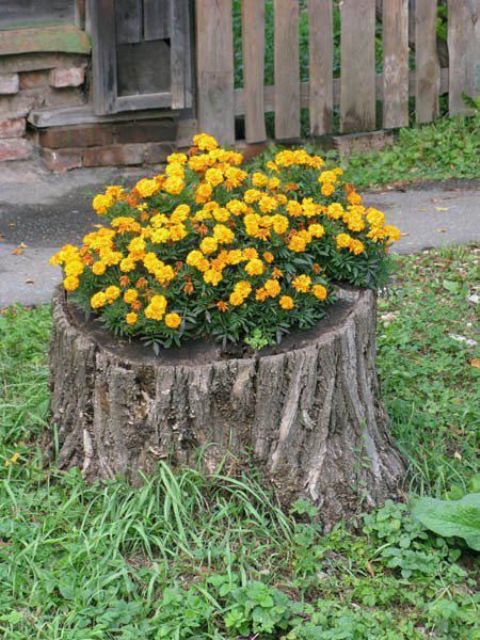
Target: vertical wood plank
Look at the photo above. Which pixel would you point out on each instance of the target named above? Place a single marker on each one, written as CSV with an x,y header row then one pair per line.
x,y
395,63
104,60
427,67
320,40
287,70
156,19
463,51
215,69
253,36
128,21
181,54
357,84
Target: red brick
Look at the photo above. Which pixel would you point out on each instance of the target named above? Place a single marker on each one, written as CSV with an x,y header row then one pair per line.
x,y
67,77
9,84
117,154
33,79
15,149
164,130
12,127
79,136
157,152
61,160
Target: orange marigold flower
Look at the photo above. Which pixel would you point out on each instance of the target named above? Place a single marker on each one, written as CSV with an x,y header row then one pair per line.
x,y
131,318
173,320
319,291
286,302
222,306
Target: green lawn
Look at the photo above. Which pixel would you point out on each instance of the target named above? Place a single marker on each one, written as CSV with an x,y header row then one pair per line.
x,y
187,557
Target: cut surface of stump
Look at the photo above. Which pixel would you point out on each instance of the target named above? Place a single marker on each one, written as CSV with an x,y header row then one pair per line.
x,y
308,412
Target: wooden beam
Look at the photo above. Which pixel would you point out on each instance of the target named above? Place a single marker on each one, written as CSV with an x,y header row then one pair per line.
x,y
320,24
253,40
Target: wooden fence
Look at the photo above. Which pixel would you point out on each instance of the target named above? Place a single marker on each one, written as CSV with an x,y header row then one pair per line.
x,y
355,94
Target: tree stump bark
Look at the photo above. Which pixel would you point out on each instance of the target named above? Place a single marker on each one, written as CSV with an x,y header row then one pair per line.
x,y
308,412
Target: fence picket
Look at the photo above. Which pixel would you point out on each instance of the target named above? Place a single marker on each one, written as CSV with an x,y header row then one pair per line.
x,y
253,35
320,36
395,63
427,67
215,69
287,70
357,103
462,16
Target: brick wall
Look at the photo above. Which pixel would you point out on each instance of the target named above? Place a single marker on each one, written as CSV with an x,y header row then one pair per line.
x,y
32,81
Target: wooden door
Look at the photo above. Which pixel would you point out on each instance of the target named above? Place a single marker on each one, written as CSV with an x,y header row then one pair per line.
x,y
141,54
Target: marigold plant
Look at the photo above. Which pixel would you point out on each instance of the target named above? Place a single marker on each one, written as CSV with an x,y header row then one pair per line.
x,y
208,248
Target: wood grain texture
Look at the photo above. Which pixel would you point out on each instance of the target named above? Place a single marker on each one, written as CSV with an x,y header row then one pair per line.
x,y
311,414
287,70
357,102
426,61
214,57
320,34
464,52
181,54
253,41
128,21
156,19
395,63
104,62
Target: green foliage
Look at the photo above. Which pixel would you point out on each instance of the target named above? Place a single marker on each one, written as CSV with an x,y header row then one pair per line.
x,y
448,518
447,148
213,558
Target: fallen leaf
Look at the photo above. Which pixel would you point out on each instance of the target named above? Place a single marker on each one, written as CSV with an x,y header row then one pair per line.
x,y
457,456
369,568
29,281
475,362
442,208
442,230
20,249
474,298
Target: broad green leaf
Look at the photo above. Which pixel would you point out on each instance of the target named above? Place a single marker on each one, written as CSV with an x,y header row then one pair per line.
x,y
459,518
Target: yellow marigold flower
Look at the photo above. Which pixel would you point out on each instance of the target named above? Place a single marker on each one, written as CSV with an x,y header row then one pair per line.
x,y
302,283
236,299
273,184
98,300
327,177
356,247
179,158
175,169
234,177
252,195
335,211
237,207
316,230
112,293
319,291
272,166
394,233
160,236
223,234
297,243
137,246
173,185
213,277
254,267
164,274
203,193
243,287
180,213
286,302
194,257
234,256
294,208
343,241
259,179
74,268
280,223
272,287
354,198
209,245
203,265
99,268
101,203
327,189
178,232
156,309
127,265
130,295
111,258
214,177
375,218
146,187
220,214
114,191
267,204
261,295
205,142
198,163
71,283
268,257
125,224
131,318
310,208
354,222
250,253
173,320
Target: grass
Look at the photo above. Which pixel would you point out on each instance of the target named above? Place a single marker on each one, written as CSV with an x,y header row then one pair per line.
x,y
190,557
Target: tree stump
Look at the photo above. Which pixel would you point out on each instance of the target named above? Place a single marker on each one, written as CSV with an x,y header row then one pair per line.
x,y
307,412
